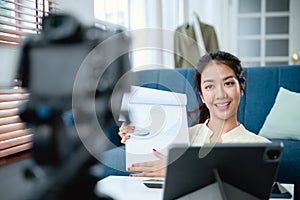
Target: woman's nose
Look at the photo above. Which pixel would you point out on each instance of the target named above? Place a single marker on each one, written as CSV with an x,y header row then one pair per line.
x,y
221,92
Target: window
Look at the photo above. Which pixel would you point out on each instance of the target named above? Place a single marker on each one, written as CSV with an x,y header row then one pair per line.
x,y
113,11
264,32
21,17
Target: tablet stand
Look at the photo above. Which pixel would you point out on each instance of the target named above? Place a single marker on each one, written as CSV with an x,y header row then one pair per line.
x,y
219,190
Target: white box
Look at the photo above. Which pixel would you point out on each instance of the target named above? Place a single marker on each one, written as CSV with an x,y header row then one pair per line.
x,y
160,119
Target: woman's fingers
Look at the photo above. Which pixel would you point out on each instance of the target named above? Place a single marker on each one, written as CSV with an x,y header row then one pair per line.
x,y
150,169
126,129
145,165
151,165
123,130
159,155
149,174
124,138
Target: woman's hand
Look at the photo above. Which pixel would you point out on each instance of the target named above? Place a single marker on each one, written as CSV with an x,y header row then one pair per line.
x,y
150,169
123,130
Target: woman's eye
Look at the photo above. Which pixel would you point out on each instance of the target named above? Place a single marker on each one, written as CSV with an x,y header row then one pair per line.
x,y
229,83
209,87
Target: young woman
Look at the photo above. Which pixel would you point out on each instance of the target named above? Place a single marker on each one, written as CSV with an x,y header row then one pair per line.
x,y
220,81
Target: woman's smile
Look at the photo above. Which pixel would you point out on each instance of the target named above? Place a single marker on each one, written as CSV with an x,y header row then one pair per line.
x,y
223,106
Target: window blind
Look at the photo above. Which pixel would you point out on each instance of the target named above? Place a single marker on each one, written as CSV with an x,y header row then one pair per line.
x,y
14,136
17,19
21,17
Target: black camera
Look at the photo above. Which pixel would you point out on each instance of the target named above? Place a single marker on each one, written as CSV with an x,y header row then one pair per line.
x,y
70,71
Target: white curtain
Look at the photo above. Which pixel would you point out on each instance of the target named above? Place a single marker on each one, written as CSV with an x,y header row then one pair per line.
x,y
153,23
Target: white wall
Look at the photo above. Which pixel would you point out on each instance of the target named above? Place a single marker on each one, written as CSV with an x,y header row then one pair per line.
x,y
82,9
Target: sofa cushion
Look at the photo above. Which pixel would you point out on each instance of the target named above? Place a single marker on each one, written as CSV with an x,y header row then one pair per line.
x,y
289,167
262,86
283,120
259,96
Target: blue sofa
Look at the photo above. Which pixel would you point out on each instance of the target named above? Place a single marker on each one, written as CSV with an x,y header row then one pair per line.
x,y
261,89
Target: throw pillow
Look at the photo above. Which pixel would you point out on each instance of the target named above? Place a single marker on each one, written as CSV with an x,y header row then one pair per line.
x,y
283,121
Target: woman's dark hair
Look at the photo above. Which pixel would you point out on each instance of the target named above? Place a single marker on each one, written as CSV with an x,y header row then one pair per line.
x,y
219,57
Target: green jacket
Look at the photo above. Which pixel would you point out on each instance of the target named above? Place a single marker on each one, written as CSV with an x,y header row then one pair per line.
x,y
186,51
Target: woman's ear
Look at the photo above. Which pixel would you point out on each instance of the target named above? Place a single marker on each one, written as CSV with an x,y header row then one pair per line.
x,y
242,87
201,96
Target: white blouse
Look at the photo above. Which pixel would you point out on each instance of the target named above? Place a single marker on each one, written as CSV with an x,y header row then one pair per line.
x,y
200,134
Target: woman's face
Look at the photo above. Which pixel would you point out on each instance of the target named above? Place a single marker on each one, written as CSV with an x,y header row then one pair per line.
x,y
221,91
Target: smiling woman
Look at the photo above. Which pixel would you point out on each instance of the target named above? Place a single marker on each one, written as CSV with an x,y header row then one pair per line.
x,y
211,81
220,81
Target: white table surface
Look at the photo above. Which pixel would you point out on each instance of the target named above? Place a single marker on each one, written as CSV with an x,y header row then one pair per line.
x,y
132,188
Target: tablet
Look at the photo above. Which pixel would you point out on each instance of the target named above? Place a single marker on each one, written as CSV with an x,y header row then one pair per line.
x,y
222,171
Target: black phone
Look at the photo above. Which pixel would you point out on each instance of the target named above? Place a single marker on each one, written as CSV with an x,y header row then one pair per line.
x,y
154,183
